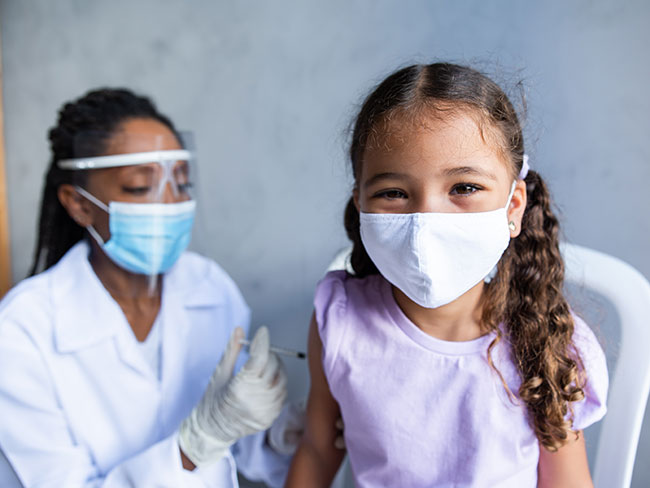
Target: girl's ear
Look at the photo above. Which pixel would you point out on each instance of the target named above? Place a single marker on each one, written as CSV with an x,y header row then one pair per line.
x,y
76,205
516,208
355,198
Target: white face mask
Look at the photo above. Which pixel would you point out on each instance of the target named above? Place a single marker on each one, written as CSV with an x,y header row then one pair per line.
x,y
433,258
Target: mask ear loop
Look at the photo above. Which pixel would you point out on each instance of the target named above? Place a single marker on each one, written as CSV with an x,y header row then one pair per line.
x,y
524,168
493,272
522,175
512,192
92,199
153,284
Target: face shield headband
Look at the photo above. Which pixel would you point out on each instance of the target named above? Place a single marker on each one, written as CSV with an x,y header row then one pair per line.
x,y
166,159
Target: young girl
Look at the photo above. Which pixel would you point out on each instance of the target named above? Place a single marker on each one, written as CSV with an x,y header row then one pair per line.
x,y
447,371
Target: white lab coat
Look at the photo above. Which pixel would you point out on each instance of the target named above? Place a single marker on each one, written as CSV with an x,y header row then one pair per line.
x,y
80,406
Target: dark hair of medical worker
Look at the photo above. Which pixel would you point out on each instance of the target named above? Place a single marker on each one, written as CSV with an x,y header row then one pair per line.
x,y
526,293
96,115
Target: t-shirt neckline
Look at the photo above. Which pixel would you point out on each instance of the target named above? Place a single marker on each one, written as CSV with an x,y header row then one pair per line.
x,y
453,348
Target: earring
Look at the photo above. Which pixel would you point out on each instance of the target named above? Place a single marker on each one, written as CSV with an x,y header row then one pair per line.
x,y
512,226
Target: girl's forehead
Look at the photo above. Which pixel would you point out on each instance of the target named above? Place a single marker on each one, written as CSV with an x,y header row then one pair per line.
x,y
438,142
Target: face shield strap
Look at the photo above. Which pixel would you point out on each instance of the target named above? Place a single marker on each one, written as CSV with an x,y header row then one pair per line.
x,y
128,159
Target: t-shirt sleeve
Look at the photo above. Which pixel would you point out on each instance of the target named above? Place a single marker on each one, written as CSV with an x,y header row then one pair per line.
x,y
329,309
593,407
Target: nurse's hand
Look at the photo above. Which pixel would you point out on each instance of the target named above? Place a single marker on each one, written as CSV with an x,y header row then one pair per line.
x,y
235,406
287,430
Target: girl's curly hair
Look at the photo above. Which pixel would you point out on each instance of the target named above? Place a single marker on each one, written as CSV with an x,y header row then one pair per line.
x,y
525,295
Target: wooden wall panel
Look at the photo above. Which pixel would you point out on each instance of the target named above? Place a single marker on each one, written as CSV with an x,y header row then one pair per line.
x,y
5,253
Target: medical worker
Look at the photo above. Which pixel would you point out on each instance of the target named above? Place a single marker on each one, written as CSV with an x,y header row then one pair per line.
x,y
120,356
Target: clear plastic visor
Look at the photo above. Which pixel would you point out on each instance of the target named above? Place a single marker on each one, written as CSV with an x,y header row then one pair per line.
x,y
137,168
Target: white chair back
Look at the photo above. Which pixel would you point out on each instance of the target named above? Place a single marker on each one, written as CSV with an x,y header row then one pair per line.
x,y
629,293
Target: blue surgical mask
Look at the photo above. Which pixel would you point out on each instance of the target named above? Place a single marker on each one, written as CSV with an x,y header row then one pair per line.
x,y
146,238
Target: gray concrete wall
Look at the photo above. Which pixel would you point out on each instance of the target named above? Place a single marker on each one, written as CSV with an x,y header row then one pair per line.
x,y
269,88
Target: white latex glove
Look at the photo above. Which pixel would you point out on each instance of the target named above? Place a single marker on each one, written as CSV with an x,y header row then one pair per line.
x,y
235,406
286,432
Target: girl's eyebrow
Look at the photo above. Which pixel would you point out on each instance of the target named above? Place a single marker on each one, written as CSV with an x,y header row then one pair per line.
x,y
384,176
469,170
455,171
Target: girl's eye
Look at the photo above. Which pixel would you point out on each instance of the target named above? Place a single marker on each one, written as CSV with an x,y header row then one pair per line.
x,y
391,194
465,189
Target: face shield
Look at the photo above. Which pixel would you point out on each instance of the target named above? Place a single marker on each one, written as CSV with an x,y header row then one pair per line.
x,y
140,187
151,168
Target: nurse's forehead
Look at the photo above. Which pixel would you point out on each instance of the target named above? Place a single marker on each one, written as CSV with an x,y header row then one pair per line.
x,y
141,135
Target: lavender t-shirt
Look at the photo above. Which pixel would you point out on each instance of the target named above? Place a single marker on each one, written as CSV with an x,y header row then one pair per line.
x,y
422,412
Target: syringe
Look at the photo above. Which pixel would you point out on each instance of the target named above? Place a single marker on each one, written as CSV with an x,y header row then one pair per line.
x,y
279,350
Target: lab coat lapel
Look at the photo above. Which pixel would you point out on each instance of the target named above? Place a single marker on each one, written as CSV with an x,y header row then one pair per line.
x,y
175,333
177,390
127,347
188,294
86,313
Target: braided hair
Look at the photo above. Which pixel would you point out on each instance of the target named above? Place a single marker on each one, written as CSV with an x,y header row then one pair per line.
x,y
526,293
96,115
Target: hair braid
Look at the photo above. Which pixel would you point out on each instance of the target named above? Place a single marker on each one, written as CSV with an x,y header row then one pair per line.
x,y
359,259
539,326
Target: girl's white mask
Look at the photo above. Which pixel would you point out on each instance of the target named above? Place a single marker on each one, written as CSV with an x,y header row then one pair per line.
x,y
436,257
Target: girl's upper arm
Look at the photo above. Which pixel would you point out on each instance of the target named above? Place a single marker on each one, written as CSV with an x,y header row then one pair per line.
x,y
317,458
322,409
566,467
